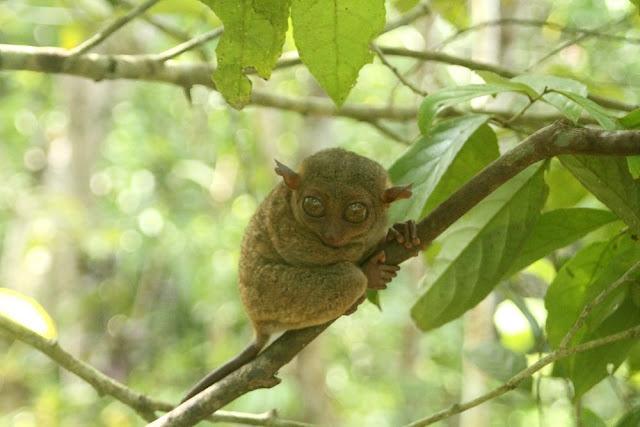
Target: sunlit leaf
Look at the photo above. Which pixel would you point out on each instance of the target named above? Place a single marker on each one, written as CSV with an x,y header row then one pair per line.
x,y
441,161
479,249
558,228
27,312
609,179
253,36
447,97
333,36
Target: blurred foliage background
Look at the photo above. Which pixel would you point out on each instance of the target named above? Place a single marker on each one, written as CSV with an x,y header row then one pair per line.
x,y
122,206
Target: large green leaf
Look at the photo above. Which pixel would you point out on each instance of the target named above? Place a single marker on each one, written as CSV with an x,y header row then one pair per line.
x,y
333,36
478,249
254,33
440,162
541,82
578,282
609,179
459,94
558,228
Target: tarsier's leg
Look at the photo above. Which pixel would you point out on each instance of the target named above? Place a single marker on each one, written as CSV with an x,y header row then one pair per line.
x,y
281,296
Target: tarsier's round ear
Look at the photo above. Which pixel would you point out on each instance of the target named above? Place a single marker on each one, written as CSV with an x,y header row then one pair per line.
x,y
291,179
395,193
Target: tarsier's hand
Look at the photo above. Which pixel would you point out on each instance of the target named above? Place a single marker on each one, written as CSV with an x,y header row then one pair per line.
x,y
378,273
406,234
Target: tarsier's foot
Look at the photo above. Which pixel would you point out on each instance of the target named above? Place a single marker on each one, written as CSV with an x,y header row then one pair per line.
x,y
406,234
378,273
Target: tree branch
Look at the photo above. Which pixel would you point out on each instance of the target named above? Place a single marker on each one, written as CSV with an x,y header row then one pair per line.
x,y
558,138
103,384
102,35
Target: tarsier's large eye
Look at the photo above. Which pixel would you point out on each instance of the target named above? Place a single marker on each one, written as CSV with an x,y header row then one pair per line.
x,y
355,212
313,206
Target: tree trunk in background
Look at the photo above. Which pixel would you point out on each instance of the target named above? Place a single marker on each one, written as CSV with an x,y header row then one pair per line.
x,y
478,324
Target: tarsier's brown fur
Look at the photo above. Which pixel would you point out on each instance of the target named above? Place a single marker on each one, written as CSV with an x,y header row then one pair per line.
x,y
298,270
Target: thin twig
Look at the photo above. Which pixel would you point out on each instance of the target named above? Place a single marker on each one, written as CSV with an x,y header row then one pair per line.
x,y
577,40
188,45
629,277
513,382
420,10
388,132
102,35
397,73
535,23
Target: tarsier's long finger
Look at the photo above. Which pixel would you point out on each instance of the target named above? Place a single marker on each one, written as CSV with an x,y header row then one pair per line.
x,y
413,232
388,275
387,267
404,229
394,234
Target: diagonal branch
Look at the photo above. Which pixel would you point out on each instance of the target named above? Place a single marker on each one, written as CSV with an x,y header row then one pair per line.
x,y
103,384
558,138
102,35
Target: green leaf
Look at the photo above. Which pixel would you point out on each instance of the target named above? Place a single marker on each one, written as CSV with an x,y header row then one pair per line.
x,y
600,114
458,94
440,162
556,229
456,12
498,362
253,36
633,162
631,418
564,105
577,283
27,312
333,36
631,120
479,248
609,179
634,359
588,418
374,298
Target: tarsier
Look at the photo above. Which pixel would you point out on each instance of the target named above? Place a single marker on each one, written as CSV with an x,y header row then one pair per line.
x,y
310,251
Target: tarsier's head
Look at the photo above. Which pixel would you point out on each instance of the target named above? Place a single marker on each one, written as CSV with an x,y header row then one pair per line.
x,y
341,196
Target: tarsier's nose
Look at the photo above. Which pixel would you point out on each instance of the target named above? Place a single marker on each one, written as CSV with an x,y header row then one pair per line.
x,y
333,240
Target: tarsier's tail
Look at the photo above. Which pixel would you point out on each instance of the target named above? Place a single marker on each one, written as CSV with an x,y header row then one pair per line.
x,y
246,356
